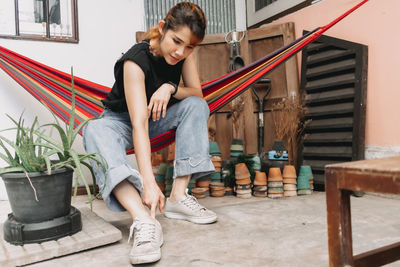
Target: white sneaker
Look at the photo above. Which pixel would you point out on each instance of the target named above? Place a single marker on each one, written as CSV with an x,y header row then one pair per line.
x,y
189,209
147,240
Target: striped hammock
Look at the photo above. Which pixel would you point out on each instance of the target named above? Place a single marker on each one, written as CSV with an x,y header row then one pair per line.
x,y
53,87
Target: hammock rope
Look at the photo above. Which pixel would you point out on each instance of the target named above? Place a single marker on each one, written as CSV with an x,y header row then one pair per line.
x,y
53,87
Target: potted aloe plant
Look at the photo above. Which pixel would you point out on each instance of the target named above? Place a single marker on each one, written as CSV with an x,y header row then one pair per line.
x,y
39,178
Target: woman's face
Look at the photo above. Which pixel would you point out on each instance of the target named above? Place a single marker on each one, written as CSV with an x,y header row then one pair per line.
x,y
177,45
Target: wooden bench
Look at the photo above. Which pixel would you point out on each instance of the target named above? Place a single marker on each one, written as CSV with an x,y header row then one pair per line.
x,y
377,175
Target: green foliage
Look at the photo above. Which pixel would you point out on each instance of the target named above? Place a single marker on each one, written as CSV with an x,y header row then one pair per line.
x,y
35,150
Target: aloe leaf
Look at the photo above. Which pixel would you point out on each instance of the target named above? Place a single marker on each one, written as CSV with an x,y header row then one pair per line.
x,y
77,163
6,159
95,193
9,159
50,140
14,146
11,169
79,127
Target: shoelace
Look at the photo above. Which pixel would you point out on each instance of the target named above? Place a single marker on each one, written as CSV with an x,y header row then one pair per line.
x,y
145,232
192,203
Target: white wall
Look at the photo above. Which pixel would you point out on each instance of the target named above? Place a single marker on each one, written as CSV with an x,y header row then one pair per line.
x,y
106,29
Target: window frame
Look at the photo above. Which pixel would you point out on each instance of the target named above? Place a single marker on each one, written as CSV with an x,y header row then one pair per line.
x,y
33,37
273,11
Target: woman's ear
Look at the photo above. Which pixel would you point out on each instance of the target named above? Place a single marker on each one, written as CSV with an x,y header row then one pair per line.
x,y
161,25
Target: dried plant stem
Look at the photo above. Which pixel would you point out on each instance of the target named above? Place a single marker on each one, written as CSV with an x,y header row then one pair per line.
x,y
34,190
287,116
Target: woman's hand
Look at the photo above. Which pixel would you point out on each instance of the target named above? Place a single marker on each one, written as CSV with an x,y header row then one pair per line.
x,y
152,196
159,101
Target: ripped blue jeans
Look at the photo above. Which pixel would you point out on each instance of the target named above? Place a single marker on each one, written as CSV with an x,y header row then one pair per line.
x,y
111,136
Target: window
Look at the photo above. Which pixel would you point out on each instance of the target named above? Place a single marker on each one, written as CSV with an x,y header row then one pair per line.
x,y
220,14
49,20
264,11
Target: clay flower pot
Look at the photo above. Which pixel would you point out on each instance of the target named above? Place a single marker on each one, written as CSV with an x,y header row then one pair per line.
x,y
275,174
236,148
217,161
289,187
217,185
203,183
303,183
214,149
256,163
289,180
243,187
306,171
199,192
260,178
216,177
241,171
243,181
260,188
260,193
289,172
274,184
228,191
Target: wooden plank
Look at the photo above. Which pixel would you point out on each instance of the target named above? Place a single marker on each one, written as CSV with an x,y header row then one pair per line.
x,y
334,208
389,166
325,56
330,96
264,32
330,123
269,131
330,82
330,137
213,61
327,151
330,110
332,67
213,39
262,47
378,257
249,122
292,78
224,134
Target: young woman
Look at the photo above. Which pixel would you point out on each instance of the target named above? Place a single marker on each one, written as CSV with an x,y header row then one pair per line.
x,y
147,81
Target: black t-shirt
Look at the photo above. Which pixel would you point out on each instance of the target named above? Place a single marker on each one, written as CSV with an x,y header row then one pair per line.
x,y
156,71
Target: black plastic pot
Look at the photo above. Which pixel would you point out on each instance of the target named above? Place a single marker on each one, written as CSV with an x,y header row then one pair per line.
x,y
53,192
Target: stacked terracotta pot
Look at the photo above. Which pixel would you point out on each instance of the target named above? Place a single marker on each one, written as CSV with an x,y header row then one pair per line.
x,y
217,186
275,183
303,181
203,182
260,184
243,182
199,192
289,181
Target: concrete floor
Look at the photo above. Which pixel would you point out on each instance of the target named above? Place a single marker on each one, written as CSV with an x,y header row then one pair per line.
x,y
254,232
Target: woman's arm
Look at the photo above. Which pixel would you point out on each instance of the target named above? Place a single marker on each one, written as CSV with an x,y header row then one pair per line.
x,y
191,80
135,94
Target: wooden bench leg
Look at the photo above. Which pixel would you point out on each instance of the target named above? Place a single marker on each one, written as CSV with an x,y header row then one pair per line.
x,y
339,223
